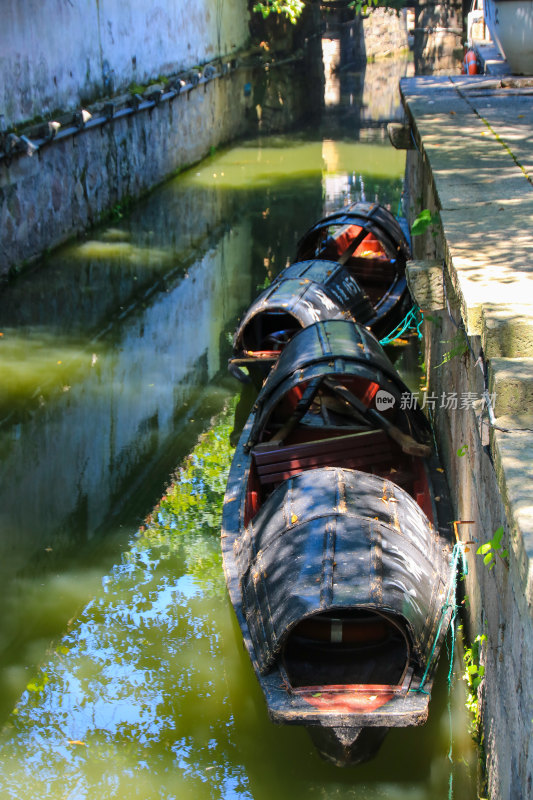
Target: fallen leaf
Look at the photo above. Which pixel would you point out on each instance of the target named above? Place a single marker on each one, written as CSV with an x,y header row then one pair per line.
x,y
294,519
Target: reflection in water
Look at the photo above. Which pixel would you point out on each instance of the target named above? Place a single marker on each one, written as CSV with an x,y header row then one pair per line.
x,y
83,441
151,694
108,348
346,180
367,93
113,351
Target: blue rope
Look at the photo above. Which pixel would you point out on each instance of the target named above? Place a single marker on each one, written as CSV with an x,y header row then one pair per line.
x,y
458,549
450,602
409,321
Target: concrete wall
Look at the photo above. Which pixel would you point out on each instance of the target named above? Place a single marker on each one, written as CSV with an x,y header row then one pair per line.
x,y
61,54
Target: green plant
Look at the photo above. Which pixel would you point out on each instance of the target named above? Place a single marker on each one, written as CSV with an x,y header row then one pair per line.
x,y
423,221
117,212
459,348
435,320
473,675
137,88
363,6
493,548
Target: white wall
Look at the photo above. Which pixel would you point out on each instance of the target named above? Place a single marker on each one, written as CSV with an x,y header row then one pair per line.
x,y
56,53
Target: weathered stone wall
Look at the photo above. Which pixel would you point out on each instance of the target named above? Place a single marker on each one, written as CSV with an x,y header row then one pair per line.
x,y
385,33
75,179
380,33
438,37
498,601
60,54
70,183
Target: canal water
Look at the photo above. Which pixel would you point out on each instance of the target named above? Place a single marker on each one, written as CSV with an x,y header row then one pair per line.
x,y
122,672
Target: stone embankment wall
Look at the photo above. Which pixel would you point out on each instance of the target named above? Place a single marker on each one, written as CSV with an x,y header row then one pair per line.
x,y
71,182
356,57
63,174
480,366
381,91
61,54
58,178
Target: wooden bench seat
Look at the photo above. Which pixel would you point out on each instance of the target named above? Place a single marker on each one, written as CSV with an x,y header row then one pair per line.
x,y
370,451
373,270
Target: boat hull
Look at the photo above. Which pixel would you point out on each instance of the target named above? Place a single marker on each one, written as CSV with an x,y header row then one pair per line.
x,y
347,746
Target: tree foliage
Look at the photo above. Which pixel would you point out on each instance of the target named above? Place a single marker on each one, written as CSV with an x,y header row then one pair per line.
x,y
292,9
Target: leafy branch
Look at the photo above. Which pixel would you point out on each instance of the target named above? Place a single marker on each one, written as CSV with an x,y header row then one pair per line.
x,y
423,221
492,549
362,6
292,9
460,347
473,675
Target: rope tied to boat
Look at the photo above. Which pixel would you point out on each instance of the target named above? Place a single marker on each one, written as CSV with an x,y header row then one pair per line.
x,y
412,320
458,557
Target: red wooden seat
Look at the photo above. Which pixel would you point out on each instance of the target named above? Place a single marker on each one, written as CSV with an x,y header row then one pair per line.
x,y
370,451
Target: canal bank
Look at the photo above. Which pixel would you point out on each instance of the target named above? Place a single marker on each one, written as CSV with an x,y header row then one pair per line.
x,y
54,188
471,168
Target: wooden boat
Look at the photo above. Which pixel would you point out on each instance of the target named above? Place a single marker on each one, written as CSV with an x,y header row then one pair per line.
x,y
302,294
370,242
334,563
350,265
